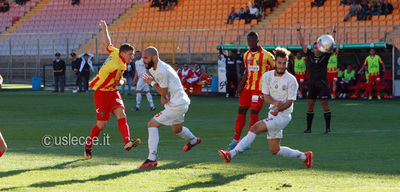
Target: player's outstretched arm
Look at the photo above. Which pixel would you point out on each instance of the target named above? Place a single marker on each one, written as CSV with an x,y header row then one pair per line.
x,y
300,36
106,36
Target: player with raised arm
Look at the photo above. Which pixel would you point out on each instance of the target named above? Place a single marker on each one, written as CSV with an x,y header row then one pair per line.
x,y
166,82
106,97
279,88
257,61
318,83
141,85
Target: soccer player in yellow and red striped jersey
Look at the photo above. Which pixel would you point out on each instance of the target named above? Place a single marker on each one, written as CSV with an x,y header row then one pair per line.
x,y
300,71
106,97
257,61
372,63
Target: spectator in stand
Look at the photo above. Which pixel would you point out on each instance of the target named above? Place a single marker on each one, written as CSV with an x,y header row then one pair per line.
x,y
59,73
376,9
85,68
387,8
192,81
352,10
171,4
317,3
178,70
75,2
231,16
186,73
164,4
345,2
4,6
253,14
20,2
347,79
75,65
239,14
363,12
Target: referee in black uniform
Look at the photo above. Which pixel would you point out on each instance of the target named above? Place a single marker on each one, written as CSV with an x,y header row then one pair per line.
x,y
318,83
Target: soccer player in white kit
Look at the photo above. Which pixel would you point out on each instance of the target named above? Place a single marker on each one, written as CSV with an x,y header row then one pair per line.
x,y
166,82
279,88
141,85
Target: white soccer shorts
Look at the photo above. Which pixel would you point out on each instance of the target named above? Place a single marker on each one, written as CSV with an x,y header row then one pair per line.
x,y
275,125
142,86
172,116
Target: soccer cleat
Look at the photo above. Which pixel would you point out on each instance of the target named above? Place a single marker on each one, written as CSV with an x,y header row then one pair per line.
x,y
245,149
132,143
344,96
226,155
152,108
149,163
354,97
327,131
307,131
189,146
370,97
135,109
309,159
379,97
232,145
333,96
363,95
88,153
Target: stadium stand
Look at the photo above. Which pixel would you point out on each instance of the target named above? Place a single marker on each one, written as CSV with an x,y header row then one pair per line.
x,y
15,11
59,21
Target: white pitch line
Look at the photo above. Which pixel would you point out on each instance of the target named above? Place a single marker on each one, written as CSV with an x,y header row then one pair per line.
x,y
215,138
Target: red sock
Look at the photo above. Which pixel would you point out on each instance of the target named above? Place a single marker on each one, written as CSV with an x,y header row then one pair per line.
x,y
240,121
378,88
370,89
124,129
1,154
95,133
253,120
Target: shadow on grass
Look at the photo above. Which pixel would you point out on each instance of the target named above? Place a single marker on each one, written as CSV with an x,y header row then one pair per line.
x,y
59,166
175,165
217,180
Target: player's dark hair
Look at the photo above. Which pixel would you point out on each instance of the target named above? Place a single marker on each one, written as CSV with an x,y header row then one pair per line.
x,y
252,34
138,51
126,47
315,43
282,52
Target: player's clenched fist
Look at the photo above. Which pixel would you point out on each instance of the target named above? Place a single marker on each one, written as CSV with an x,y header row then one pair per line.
x,y
103,25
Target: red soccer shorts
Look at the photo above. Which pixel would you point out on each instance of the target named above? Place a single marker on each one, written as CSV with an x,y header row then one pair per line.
x,y
332,77
374,78
251,99
300,78
105,102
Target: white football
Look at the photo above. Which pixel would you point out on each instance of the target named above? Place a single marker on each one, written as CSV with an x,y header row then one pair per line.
x,y
325,43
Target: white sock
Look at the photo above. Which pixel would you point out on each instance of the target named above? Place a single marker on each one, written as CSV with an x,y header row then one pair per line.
x,y
186,134
288,152
246,141
153,143
138,99
150,99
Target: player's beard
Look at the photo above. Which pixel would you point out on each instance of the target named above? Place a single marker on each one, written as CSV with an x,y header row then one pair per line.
x,y
282,72
150,64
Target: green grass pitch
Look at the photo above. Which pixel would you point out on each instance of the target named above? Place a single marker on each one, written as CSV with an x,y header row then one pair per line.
x,y
361,154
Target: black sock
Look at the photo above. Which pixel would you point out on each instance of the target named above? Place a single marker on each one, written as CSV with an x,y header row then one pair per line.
x,y
327,116
310,116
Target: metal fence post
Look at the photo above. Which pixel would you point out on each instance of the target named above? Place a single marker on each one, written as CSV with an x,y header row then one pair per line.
x,y
97,51
188,60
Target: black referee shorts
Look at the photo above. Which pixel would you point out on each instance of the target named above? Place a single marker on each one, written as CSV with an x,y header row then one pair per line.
x,y
318,89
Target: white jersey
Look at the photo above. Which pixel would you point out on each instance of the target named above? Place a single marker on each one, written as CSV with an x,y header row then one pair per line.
x,y
140,67
282,88
166,77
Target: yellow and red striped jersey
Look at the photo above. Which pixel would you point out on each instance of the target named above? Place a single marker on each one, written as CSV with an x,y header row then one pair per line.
x,y
110,72
256,65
